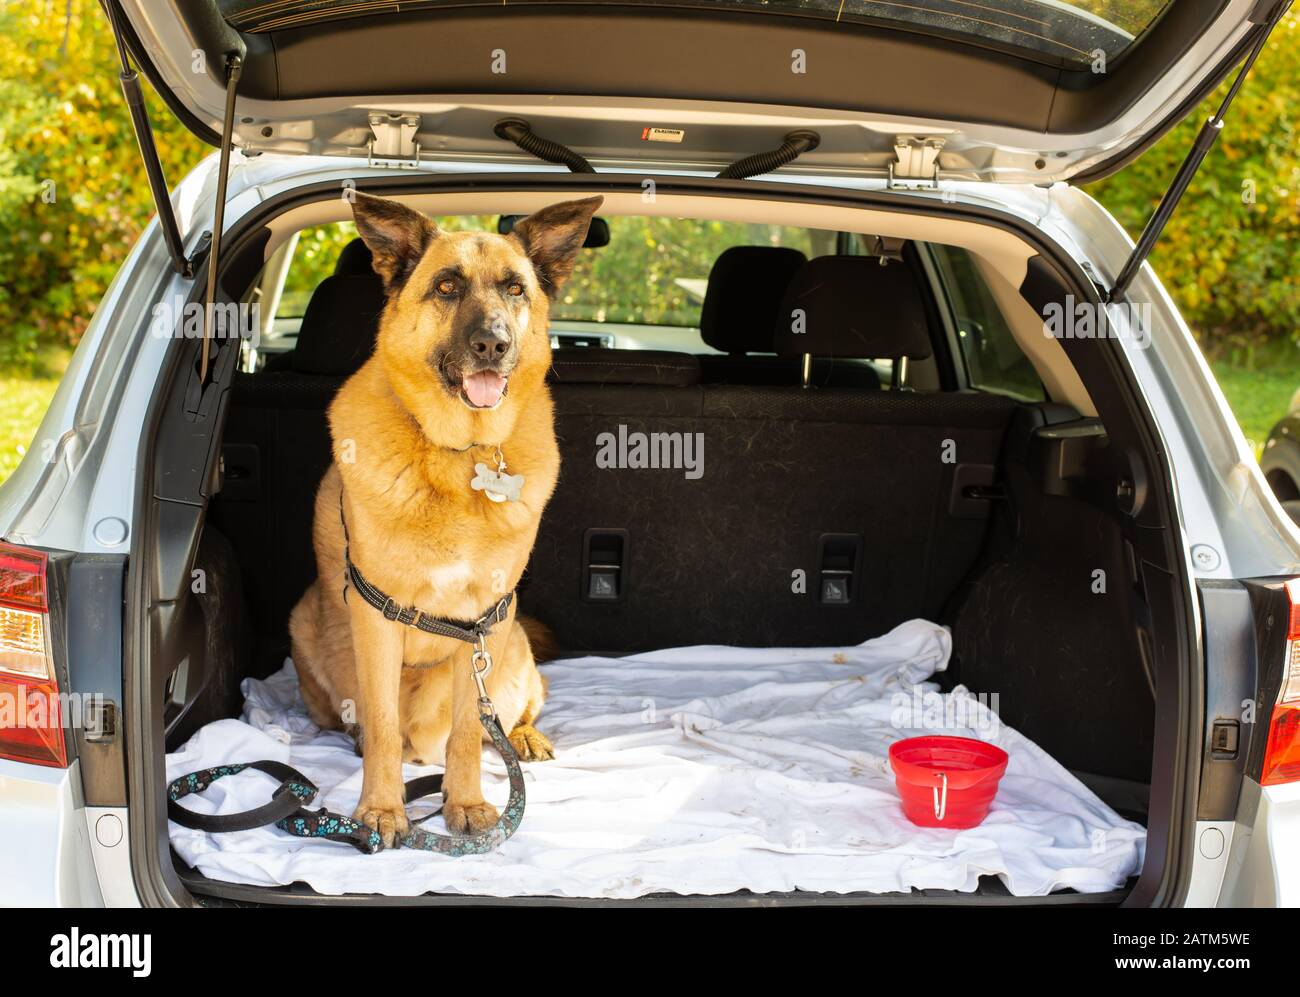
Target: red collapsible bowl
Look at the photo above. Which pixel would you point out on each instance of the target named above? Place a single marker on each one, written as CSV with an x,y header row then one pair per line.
x,y
946,781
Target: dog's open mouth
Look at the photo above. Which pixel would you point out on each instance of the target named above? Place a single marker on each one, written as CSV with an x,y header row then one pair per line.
x,y
484,389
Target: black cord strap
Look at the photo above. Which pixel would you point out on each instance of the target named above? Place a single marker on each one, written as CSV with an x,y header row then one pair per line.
x,y
795,145
519,132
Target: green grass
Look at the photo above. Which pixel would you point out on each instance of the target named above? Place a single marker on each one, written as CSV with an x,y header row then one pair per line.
x,y
1259,391
23,401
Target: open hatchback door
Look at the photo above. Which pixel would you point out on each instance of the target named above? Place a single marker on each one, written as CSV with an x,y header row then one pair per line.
x,y
1018,91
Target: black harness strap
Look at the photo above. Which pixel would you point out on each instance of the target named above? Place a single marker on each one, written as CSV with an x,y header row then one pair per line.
x,y
469,631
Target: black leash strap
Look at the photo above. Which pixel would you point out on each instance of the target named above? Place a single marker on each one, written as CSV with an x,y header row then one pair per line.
x,y
506,825
286,810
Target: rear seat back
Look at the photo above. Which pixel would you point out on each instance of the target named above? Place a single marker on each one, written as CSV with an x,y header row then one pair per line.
x,y
742,305
796,486
738,554
734,555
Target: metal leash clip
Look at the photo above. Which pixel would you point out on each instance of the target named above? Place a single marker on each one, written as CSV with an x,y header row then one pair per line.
x,y
481,654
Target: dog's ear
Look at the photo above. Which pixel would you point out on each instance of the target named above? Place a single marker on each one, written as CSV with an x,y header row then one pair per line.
x,y
396,236
552,237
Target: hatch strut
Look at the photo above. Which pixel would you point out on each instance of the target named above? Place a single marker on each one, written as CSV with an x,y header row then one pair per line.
x,y
182,264
234,67
1200,148
148,150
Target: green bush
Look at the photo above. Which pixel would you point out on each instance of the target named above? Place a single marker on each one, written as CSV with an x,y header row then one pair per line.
x,y
73,195
1230,255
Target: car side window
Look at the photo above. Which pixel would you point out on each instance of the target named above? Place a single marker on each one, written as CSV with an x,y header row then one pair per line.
x,y
993,358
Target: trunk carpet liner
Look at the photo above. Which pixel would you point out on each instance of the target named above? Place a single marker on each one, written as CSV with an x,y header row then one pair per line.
x,y
696,770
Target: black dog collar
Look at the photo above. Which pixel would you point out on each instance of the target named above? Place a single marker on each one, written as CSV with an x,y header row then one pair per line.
x,y
469,631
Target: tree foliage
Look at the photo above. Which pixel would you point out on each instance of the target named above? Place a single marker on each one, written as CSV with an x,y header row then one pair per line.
x,y
1230,255
73,193
73,198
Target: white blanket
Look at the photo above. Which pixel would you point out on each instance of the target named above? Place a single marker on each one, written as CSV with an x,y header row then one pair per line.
x,y
698,770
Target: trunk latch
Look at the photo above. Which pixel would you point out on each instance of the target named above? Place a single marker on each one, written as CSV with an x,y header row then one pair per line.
x,y
916,162
394,142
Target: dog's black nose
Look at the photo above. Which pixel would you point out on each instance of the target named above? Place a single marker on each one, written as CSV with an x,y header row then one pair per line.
x,y
489,343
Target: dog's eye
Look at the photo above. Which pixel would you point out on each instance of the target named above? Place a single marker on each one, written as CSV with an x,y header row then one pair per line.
x,y
446,287
515,289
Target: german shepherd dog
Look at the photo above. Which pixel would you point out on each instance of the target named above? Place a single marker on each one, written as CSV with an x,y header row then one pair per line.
x,y
457,380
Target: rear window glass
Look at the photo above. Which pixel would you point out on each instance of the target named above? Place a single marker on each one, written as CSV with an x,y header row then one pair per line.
x,y
653,272
1070,32
1073,32
993,358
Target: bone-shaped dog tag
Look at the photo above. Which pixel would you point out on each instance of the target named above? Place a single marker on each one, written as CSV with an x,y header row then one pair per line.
x,y
497,485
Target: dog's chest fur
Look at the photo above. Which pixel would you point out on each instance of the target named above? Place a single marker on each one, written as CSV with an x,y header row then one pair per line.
x,y
419,531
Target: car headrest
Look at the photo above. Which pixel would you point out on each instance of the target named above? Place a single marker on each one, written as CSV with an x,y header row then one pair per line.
x,y
338,330
355,259
744,293
597,366
853,307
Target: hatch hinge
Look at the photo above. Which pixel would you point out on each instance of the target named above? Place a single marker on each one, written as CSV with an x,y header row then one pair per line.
x,y
916,162
1204,141
393,141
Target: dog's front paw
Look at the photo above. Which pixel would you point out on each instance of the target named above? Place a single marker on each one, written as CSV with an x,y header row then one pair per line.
x,y
469,818
530,744
389,819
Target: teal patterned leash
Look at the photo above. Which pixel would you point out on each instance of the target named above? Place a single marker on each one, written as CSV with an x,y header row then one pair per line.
x,y
480,664
506,825
286,809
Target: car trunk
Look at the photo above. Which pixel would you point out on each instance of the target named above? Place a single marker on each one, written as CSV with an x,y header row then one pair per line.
x,y
705,562
1046,540
1045,547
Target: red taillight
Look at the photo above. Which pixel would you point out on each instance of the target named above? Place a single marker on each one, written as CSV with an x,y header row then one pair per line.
x,y
1293,621
1282,754
1282,749
31,716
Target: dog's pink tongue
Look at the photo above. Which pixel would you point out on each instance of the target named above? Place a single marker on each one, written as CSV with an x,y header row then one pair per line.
x,y
484,389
